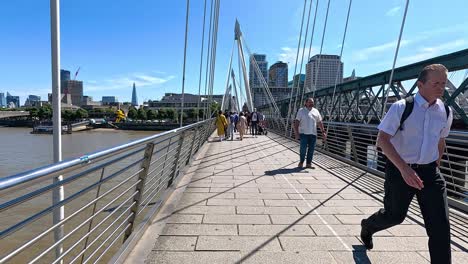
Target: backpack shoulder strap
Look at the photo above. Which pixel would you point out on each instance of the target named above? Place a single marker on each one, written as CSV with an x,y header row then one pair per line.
x,y
409,104
447,110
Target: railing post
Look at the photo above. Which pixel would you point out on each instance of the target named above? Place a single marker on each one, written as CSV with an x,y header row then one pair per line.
x,y
353,144
195,134
201,136
176,162
165,159
140,187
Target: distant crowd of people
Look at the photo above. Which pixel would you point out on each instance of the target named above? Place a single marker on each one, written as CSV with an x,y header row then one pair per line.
x,y
228,123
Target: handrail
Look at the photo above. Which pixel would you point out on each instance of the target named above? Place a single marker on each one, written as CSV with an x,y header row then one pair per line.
x,y
354,143
135,178
9,183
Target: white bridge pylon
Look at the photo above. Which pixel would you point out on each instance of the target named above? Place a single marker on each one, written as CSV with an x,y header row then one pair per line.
x,y
235,99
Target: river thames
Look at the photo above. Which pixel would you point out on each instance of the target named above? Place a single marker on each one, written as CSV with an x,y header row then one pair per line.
x,y
21,151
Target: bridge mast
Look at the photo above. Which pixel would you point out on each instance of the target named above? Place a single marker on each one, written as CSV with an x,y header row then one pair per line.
x,y
238,37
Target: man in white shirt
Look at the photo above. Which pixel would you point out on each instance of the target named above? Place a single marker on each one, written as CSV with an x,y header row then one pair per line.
x,y
305,128
254,122
413,154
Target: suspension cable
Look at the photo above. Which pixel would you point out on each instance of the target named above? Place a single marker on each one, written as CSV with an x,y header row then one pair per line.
x,y
266,90
321,48
235,91
201,65
183,71
302,61
210,84
213,57
341,54
310,45
295,67
385,99
240,82
228,73
208,54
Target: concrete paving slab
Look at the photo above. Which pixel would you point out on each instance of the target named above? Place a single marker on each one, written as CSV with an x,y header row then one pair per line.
x,y
171,257
333,190
235,202
203,196
304,219
243,243
408,230
350,203
275,230
208,210
342,210
283,190
176,243
374,257
303,203
184,219
317,257
235,189
270,196
199,229
342,230
236,219
457,257
197,190
310,196
267,210
317,243
400,243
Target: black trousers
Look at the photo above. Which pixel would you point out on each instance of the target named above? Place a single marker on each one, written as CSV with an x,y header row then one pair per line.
x,y
432,200
253,127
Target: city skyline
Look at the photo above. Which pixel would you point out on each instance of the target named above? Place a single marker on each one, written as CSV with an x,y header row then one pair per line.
x,y
143,43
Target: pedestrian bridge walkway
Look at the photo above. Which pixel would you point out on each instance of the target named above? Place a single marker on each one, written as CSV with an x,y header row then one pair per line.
x,y
246,202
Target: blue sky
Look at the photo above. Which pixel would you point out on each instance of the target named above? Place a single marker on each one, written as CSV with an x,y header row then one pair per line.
x,y
119,42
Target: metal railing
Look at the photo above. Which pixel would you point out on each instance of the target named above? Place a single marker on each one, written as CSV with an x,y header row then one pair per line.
x,y
355,143
110,197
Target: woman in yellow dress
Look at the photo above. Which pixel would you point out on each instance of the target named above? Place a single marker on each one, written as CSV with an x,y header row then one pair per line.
x,y
221,124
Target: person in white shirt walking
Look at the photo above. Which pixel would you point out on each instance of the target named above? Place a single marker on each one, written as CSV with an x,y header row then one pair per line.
x,y
254,123
412,137
305,128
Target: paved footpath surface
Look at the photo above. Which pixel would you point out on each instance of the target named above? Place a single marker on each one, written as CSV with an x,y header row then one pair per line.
x,y
246,202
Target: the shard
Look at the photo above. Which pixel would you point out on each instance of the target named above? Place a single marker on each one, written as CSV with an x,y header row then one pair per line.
x,y
134,96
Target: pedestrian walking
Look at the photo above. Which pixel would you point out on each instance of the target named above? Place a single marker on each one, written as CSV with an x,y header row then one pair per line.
x,y
242,125
412,137
231,125
254,122
221,125
305,128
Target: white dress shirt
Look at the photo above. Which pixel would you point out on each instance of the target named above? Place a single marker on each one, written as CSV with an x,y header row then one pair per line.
x,y
418,142
308,120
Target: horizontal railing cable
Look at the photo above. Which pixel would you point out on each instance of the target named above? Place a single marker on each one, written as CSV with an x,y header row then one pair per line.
x,y
121,170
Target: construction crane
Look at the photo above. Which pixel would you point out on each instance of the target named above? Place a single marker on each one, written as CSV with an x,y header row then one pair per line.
x,y
76,73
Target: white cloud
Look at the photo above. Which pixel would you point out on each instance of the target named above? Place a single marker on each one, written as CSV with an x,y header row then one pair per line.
x,y
289,55
393,11
424,53
125,82
23,94
371,52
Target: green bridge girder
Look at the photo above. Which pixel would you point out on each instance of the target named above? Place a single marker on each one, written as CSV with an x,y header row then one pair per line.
x,y
361,100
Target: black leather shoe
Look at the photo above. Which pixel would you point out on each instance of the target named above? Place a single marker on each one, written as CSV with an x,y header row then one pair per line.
x,y
366,236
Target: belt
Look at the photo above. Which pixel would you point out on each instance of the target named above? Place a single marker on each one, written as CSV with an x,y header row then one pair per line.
x,y
428,165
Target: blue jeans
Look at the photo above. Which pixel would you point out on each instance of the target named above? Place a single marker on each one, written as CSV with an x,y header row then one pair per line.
x,y
231,131
307,143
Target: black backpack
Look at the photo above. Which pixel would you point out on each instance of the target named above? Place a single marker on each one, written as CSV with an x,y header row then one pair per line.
x,y
409,104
